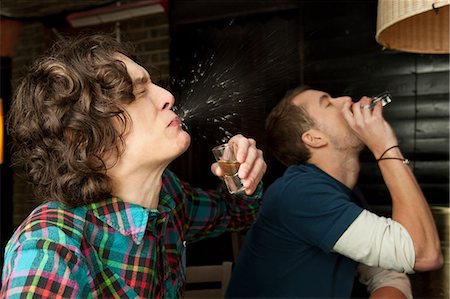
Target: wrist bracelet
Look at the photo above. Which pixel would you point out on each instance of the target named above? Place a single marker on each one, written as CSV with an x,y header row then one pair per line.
x,y
384,153
405,161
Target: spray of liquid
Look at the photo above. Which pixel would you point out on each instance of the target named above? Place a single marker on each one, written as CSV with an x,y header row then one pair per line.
x,y
222,95
211,100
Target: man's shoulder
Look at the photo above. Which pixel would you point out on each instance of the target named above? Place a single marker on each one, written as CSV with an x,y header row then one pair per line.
x,y
306,183
54,213
51,220
43,248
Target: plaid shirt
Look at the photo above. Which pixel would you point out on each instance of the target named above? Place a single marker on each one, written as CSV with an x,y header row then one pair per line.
x,y
114,249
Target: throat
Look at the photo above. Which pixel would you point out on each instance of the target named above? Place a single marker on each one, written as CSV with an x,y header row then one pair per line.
x,y
348,172
343,169
143,191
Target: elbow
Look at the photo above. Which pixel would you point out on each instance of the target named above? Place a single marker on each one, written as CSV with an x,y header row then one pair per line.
x,y
436,262
431,262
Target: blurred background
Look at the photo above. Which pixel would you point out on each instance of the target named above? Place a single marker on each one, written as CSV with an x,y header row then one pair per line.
x,y
228,62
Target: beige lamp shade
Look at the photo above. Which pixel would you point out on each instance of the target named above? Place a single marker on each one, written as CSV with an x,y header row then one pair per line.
x,y
418,26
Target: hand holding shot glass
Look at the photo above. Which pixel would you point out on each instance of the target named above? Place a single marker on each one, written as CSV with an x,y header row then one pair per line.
x,y
384,97
225,155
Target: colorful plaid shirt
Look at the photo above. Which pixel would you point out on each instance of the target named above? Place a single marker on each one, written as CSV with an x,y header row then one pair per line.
x,y
114,249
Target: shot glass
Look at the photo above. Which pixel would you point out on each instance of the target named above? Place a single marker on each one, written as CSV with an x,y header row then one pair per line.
x,y
384,97
225,155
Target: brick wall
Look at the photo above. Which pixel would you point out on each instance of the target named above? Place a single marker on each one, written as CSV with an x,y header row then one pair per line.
x,y
31,43
150,34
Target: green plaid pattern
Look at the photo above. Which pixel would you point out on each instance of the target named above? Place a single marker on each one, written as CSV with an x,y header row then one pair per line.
x,y
113,249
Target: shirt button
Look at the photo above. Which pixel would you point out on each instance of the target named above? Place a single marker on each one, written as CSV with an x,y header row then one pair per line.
x,y
184,243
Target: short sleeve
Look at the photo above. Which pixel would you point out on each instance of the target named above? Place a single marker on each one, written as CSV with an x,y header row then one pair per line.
x,y
317,211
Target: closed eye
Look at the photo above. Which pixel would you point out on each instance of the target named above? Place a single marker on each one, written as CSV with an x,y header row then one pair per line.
x,y
325,100
140,85
140,92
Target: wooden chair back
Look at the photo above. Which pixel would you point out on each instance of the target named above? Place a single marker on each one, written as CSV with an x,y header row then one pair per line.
x,y
208,274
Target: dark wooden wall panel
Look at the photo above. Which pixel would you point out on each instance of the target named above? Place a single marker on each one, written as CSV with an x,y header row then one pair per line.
x,y
424,128
427,106
363,66
432,63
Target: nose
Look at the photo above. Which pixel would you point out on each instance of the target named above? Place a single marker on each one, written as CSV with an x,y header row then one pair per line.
x,y
164,99
340,101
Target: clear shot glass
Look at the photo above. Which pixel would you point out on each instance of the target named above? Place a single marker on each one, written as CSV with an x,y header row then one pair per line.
x,y
384,97
225,155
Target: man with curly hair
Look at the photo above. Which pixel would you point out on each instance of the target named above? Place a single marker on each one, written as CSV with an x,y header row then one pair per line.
x,y
95,136
312,235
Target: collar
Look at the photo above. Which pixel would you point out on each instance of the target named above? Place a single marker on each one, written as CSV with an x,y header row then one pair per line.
x,y
133,220
315,168
126,218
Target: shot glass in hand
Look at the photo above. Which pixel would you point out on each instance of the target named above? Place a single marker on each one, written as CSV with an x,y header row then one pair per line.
x,y
384,97
225,155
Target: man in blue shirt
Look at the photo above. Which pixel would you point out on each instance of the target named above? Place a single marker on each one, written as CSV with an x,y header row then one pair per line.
x,y
311,237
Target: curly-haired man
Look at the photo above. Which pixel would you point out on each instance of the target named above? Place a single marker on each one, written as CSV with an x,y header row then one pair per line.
x,y
95,136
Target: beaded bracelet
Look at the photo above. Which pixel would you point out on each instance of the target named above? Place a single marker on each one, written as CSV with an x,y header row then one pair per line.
x,y
405,161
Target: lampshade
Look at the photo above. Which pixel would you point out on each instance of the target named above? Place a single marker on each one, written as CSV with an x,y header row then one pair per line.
x,y
418,26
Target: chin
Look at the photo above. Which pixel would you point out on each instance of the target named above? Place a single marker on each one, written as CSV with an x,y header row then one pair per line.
x,y
184,142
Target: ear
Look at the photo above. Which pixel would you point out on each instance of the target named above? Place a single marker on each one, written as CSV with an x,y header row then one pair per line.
x,y
314,138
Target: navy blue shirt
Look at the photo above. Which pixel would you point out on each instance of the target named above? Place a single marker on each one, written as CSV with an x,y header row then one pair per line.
x,y
287,252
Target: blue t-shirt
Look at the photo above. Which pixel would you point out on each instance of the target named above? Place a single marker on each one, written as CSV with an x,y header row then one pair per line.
x,y
287,252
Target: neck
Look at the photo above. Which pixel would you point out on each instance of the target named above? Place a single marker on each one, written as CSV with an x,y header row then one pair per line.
x,y
343,166
137,186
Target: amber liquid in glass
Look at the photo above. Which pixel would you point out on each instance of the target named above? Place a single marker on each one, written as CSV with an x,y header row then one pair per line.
x,y
229,168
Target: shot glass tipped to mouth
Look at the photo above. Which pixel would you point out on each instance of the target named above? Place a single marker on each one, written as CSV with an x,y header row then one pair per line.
x,y
384,97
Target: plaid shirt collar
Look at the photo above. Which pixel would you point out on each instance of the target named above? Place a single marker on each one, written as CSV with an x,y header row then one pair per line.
x,y
131,219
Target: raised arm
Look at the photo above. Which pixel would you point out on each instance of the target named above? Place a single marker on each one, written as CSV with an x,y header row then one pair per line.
x,y
409,206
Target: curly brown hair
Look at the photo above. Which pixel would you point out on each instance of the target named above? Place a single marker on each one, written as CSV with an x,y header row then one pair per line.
x,y
61,118
285,125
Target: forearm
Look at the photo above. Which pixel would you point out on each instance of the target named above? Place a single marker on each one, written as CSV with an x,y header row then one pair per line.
x,y
410,208
210,213
383,283
243,209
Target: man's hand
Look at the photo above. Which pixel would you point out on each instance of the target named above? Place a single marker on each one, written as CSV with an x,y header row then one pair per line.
x,y
252,166
369,125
